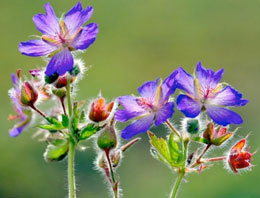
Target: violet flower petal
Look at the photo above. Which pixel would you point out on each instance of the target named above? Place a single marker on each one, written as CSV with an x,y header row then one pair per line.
x,y
36,48
130,104
228,97
207,77
47,23
169,85
149,90
122,115
223,116
164,113
185,81
86,37
60,63
76,17
140,126
188,106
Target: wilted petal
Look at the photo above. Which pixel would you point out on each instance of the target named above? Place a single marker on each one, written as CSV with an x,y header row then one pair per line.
x,y
149,90
207,77
47,23
185,81
164,113
139,126
86,37
188,106
223,116
36,48
228,97
60,63
76,17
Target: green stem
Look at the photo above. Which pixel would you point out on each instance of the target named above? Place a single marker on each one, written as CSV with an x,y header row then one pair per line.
x,y
71,178
172,128
69,97
71,154
177,184
110,167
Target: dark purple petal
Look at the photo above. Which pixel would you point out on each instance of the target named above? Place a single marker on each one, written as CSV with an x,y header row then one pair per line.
x,y
185,81
129,103
228,97
140,126
149,90
223,116
164,113
76,17
36,48
60,63
122,115
86,37
191,108
47,23
169,85
208,79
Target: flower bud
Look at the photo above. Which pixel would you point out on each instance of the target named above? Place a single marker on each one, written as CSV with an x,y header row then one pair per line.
x,y
192,126
107,139
99,111
59,92
28,94
63,80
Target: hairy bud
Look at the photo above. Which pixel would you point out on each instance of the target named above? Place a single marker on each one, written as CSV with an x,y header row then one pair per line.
x,y
28,94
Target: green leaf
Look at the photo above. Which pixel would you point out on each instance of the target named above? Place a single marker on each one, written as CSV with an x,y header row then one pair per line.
x,y
200,139
88,131
57,142
51,128
166,151
54,121
65,121
56,153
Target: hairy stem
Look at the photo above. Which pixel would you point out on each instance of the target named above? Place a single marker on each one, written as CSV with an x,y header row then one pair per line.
x,y
71,178
198,160
63,105
110,167
38,111
169,124
177,183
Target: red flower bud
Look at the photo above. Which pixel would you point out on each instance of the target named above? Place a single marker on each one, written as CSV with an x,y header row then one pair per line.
x,y
63,80
28,94
238,158
99,111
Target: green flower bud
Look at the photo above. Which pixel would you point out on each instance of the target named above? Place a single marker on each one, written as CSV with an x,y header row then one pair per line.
x,y
59,92
107,139
192,126
28,95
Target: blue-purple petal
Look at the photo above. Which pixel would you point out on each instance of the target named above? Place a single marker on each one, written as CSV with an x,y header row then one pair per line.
x,y
149,90
164,113
140,126
36,48
228,97
60,63
123,115
207,77
223,116
191,108
169,85
130,104
47,23
76,17
185,81
86,37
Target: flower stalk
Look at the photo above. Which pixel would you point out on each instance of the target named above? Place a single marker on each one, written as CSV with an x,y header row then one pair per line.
x,y
177,183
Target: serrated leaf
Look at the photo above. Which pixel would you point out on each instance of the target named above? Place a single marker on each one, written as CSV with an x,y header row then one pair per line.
x,y
88,131
166,151
200,139
56,153
65,121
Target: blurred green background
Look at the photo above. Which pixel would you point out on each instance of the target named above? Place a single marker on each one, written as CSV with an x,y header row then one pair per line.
x,y
139,40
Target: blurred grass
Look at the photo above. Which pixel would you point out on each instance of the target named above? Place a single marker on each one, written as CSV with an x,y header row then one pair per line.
x,y
139,40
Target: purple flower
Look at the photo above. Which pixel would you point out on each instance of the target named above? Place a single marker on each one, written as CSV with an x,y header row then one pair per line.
x,y
152,106
204,92
23,114
60,37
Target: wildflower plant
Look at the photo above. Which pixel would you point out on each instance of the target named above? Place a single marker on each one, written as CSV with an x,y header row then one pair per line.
x,y
204,101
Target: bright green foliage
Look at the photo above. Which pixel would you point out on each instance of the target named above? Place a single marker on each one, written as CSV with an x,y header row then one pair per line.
x,y
54,124
56,150
168,151
200,139
88,131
